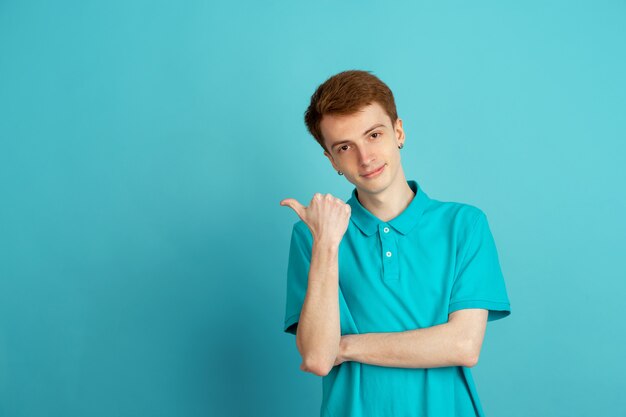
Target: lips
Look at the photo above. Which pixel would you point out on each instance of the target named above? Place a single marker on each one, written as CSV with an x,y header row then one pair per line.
x,y
374,171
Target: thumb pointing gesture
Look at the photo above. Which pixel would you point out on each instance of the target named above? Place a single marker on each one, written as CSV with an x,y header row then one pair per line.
x,y
296,206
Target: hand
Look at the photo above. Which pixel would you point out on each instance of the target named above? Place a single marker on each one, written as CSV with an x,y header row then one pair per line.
x,y
326,216
344,346
339,359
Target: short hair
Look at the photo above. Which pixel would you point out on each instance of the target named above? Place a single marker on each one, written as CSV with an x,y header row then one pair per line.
x,y
345,93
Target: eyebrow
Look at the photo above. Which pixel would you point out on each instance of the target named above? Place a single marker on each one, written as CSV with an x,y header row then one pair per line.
x,y
364,134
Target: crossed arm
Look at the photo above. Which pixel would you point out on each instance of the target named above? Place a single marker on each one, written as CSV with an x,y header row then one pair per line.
x,y
455,343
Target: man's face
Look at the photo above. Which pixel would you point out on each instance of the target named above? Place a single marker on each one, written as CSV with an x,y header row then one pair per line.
x,y
362,143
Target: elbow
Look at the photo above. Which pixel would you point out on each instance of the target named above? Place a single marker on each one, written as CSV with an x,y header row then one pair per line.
x,y
316,367
470,360
313,363
469,354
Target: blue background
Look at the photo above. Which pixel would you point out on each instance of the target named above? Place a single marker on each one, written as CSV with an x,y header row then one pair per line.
x,y
145,147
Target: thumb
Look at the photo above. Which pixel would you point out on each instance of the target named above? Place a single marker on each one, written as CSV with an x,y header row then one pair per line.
x,y
295,205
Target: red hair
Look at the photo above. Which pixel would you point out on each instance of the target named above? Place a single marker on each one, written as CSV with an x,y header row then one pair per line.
x,y
345,93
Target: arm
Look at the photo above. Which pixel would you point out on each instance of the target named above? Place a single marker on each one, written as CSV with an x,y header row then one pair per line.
x,y
455,343
318,332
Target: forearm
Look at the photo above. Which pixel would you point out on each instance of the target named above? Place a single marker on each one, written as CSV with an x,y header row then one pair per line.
x,y
431,347
318,333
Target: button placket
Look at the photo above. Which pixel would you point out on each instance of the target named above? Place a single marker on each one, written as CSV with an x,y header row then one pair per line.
x,y
389,255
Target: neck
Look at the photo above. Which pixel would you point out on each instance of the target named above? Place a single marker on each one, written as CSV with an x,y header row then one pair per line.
x,y
390,202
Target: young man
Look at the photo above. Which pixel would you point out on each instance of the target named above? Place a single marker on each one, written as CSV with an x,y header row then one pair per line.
x,y
388,294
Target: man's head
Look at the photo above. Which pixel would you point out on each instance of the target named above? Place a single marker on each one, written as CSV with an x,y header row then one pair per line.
x,y
353,117
346,93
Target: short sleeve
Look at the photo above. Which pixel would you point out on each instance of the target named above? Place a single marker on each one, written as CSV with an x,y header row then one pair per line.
x,y
478,281
297,274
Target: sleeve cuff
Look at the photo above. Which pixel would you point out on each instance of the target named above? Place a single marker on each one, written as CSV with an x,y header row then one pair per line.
x,y
497,309
291,324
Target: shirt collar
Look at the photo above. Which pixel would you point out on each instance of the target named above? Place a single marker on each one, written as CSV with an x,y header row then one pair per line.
x,y
403,223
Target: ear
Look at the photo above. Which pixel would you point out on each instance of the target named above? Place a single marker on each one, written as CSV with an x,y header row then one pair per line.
x,y
330,158
399,130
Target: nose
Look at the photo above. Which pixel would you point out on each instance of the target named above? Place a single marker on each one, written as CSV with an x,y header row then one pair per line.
x,y
366,156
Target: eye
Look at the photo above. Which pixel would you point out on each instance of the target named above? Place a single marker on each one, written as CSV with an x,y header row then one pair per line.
x,y
340,149
375,133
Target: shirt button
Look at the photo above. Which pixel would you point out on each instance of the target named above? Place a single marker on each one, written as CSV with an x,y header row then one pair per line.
x,y
386,230
388,254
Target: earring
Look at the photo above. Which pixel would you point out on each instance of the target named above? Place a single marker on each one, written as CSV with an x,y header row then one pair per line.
x,y
339,172
401,146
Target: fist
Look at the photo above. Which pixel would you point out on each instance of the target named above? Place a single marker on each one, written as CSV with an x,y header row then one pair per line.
x,y
326,216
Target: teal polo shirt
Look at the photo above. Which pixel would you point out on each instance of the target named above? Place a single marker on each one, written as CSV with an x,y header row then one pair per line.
x,y
407,273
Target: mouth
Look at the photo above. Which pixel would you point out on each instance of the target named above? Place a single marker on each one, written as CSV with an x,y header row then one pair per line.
x,y
374,173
